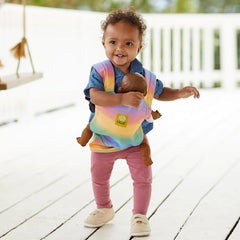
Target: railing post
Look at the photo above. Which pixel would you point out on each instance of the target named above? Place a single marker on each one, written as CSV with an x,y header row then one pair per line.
x,y
228,54
208,60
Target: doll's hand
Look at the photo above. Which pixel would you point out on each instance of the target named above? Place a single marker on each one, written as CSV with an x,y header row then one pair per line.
x,y
156,114
132,99
188,92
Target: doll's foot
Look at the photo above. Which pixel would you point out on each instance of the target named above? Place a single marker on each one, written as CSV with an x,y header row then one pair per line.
x,y
147,161
81,142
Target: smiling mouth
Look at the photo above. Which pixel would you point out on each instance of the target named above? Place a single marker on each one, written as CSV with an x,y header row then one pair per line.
x,y
120,55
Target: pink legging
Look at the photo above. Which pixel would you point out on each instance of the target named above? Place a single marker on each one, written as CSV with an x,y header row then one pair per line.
x,y
101,169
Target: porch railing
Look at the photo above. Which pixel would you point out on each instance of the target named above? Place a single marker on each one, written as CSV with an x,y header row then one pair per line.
x,y
200,49
181,49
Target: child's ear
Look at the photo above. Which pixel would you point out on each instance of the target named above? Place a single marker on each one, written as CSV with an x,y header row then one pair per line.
x,y
139,49
120,90
103,43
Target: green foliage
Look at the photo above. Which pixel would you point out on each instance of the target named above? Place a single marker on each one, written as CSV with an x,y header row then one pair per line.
x,y
95,5
147,6
217,84
219,6
184,6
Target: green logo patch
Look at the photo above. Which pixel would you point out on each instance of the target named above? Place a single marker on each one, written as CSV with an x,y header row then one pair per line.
x,y
121,120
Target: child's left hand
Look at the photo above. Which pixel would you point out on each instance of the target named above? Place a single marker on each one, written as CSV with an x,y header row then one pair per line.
x,y
188,92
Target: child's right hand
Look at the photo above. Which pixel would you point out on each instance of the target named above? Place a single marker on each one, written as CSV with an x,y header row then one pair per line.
x,y
132,99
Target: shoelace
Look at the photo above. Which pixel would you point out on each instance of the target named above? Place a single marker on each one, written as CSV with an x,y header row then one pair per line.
x,y
139,219
95,212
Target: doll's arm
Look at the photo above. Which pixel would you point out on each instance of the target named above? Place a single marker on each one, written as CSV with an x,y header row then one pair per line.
x,y
169,94
106,99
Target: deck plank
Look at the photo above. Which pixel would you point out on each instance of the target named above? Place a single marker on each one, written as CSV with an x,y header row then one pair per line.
x,y
236,232
46,179
34,175
215,216
20,214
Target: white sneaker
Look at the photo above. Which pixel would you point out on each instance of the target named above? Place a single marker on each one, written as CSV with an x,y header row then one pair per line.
x,y
140,226
99,217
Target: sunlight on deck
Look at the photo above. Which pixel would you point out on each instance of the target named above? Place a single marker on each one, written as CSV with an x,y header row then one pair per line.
x,y
45,175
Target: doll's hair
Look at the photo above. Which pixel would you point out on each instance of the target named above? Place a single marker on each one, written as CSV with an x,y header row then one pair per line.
x,y
127,15
134,82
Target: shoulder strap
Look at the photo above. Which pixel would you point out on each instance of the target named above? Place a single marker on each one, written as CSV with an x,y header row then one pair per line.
x,y
106,71
151,84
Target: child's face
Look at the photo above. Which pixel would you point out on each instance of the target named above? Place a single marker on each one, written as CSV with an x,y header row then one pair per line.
x,y
122,44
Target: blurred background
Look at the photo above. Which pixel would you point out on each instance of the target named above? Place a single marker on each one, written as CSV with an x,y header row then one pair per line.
x,y
146,6
188,42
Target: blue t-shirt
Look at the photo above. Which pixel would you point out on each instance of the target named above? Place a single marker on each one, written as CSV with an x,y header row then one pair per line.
x,y
96,81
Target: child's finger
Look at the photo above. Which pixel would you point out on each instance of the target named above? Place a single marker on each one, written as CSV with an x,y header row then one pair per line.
x,y
196,93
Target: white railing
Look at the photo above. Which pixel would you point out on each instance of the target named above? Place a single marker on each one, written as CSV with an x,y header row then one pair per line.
x,y
181,48
65,43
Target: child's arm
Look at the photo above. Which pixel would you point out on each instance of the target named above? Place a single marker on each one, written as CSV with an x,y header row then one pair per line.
x,y
169,94
106,99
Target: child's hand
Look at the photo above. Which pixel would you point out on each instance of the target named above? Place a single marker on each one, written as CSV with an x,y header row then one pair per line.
x,y
188,92
132,99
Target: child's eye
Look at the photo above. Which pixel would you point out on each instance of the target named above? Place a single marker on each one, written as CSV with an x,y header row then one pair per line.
x,y
129,43
112,42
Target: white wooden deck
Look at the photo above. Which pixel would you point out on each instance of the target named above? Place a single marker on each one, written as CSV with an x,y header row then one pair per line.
x,y
45,187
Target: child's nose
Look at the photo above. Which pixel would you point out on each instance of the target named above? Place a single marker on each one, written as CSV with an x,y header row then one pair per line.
x,y
120,46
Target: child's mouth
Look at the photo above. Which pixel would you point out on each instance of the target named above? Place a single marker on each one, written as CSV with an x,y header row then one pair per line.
x,y
120,55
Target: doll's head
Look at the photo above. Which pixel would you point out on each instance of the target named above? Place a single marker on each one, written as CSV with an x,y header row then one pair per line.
x,y
133,82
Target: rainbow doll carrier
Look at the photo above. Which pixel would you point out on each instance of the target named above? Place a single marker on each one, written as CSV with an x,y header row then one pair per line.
x,y
119,127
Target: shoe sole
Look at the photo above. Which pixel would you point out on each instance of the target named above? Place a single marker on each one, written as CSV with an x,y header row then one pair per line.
x,y
141,234
97,225
93,226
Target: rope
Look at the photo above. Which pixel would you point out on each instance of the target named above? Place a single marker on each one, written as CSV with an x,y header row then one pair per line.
x,y
18,50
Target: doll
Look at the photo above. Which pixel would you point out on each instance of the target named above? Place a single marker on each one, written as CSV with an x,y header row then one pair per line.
x,y
133,82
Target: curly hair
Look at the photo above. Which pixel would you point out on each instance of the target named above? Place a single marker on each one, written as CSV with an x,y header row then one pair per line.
x,y
127,15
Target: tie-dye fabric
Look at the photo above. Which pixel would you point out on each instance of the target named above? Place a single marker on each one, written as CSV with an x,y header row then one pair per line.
x,y
119,127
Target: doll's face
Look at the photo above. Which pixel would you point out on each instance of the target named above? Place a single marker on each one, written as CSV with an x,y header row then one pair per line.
x,y
133,82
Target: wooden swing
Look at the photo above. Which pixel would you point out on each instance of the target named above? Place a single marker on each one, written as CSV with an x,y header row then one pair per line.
x,y
18,52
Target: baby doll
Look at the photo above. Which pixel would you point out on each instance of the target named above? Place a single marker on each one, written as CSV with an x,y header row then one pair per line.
x,y
133,82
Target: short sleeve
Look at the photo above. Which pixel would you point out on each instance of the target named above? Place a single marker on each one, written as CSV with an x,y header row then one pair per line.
x,y
158,88
95,80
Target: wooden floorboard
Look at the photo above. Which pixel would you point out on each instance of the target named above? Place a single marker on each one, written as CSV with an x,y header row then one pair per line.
x,y
45,175
234,234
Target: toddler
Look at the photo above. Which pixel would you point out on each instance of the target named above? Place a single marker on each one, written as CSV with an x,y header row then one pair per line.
x,y
122,40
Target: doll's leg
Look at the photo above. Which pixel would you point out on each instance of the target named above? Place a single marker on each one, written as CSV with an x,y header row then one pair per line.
x,y
86,136
146,152
101,169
